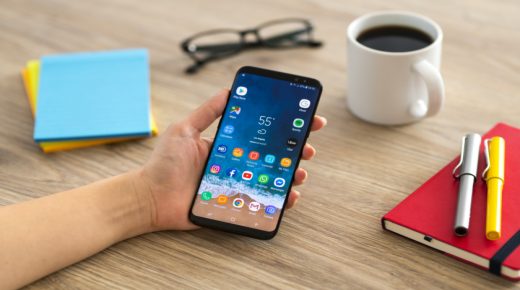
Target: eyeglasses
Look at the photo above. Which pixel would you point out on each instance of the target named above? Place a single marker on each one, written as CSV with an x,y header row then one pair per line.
x,y
221,43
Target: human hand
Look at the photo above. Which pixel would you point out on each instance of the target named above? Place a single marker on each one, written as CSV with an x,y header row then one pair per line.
x,y
172,173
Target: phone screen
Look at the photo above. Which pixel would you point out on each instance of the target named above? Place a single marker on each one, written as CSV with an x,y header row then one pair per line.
x,y
256,151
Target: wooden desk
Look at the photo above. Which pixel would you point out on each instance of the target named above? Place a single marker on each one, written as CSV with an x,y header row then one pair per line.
x,y
333,239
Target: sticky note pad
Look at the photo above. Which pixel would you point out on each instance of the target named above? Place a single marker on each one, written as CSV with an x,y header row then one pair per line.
x,y
30,77
93,96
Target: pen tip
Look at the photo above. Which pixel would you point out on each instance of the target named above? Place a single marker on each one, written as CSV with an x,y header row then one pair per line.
x,y
493,235
461,231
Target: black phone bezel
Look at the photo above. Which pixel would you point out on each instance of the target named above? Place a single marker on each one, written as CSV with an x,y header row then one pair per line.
x,y
238,229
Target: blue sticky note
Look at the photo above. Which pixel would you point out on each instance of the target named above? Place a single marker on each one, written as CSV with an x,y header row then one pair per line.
x,y
93,95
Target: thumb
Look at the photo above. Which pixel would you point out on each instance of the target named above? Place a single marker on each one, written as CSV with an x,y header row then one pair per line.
x,y
207,113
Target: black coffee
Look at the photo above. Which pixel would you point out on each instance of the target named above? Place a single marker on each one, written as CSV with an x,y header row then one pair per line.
x,y
394,38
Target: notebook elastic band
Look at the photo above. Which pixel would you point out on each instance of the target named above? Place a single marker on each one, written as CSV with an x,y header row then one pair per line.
x,y
495,263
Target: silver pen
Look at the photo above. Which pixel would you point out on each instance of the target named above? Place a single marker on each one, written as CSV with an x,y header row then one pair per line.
x,y
467,176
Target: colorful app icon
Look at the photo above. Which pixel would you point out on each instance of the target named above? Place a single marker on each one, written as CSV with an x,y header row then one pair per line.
x,y
279,182
238,202
292,142
215,169
241,91
270,210
235,110
232,172
247,175
263,178
229,129
269,158
254,155
285,162
297,123
238,152
206,195
254,206
221,148
222,199
305,104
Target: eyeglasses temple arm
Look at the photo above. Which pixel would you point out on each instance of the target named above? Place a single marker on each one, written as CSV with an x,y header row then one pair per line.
x,y
282,37
215,47
194,68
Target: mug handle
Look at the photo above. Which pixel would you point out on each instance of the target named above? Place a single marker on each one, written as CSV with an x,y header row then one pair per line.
x,y
435,87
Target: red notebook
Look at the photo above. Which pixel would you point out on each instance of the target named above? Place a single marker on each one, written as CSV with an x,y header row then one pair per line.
x,y
427,215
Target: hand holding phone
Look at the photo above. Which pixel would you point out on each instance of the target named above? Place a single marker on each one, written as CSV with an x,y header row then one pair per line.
x,y
172,173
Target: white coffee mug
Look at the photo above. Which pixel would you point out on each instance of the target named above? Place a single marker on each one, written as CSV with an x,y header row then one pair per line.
x,y
393,88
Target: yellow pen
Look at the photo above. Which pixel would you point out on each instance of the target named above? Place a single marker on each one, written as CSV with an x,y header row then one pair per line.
x,y
494,177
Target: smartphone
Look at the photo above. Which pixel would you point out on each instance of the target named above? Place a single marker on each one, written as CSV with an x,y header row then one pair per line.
x,y
258,145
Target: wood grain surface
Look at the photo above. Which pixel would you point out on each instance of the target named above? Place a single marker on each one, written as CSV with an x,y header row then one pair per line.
x,y
333,239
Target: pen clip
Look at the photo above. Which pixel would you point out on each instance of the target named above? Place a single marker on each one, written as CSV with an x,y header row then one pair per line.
x,y
486,153
456,176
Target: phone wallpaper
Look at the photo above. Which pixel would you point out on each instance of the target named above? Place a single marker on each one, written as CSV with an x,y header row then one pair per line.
x,y
250,168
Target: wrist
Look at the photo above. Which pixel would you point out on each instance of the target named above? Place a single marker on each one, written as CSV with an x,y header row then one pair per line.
x,y
144,202
133,209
